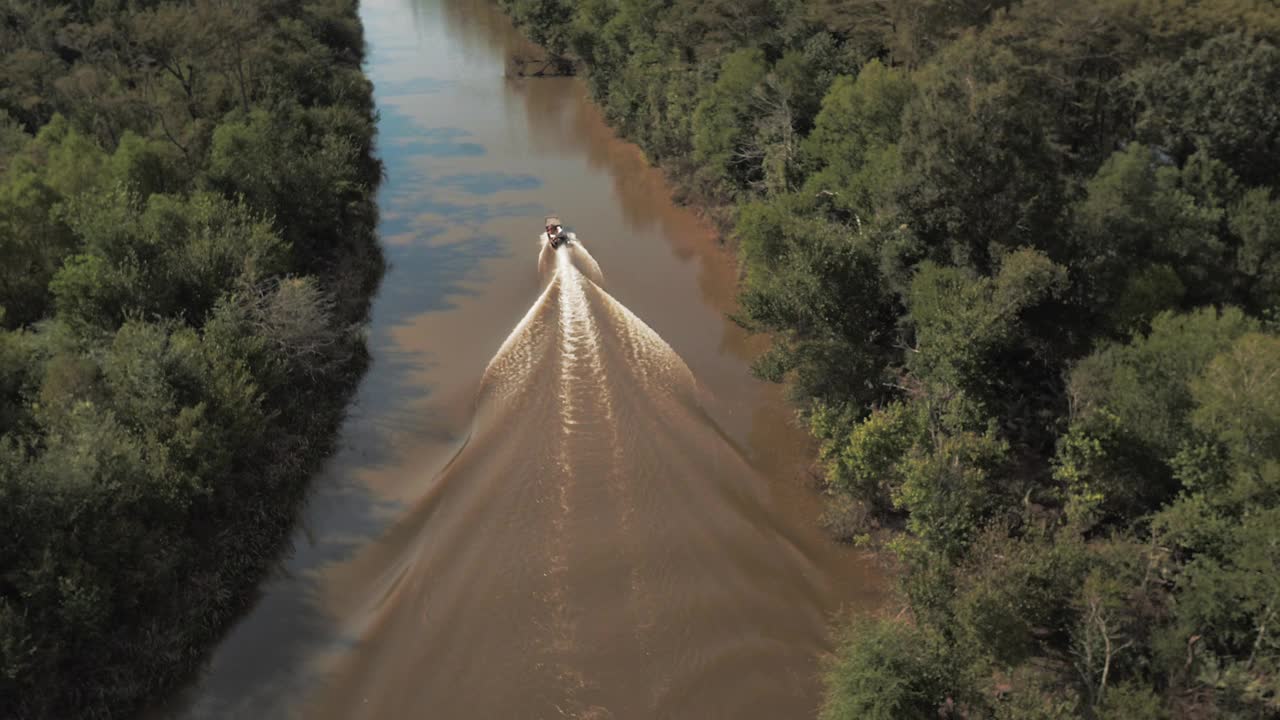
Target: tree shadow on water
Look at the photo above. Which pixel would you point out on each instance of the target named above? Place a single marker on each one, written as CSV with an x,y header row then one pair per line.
x,y
261,664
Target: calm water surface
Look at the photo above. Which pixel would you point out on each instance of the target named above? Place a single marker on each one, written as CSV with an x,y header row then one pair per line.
x,y
560,493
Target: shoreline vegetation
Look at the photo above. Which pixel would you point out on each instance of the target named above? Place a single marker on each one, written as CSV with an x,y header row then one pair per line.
x,y
1020,261
187,223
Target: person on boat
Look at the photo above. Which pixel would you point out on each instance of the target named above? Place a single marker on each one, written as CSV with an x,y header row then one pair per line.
x,y
555,233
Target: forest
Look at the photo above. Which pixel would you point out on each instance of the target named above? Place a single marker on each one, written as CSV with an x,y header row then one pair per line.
x,y
187,232
1020,261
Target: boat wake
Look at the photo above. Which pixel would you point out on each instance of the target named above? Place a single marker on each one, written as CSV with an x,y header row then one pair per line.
x,y
597,548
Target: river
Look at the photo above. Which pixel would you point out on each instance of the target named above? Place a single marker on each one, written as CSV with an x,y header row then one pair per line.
x,y
559,493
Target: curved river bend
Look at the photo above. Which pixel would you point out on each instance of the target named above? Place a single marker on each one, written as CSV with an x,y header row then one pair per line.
x,y
560,493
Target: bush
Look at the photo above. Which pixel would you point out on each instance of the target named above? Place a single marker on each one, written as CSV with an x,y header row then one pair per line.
x,y
891,670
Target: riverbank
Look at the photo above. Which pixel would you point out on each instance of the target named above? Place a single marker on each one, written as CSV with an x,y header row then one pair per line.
x,y
474,161
180,331
993,243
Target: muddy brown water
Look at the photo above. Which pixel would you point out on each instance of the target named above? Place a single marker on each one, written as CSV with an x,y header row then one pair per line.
x,y
560,492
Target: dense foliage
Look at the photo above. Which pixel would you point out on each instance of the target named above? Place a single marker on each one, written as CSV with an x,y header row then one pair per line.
x,y
1021,261
187,233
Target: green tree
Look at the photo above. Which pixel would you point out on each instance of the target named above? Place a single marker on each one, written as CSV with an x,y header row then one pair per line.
x,y
1133,405
949,490
1013,597
819,288
1139,213
853,146
1238,399
967,327
979,166
1216,98
892,670
866,462
1228,604
1255,220
723,119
